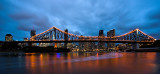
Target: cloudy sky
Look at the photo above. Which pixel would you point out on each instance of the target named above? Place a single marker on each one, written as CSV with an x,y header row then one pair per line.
x,y
81,17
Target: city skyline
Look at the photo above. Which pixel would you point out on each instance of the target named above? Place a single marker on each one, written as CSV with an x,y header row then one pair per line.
x,y
79,17
79,36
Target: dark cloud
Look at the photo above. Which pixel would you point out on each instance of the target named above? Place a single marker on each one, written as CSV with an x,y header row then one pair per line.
x,y
152,21
82,17
23,16
154,15
25,27
32,21
42,22
75,32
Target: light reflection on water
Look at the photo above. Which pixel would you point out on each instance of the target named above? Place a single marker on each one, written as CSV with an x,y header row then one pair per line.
x,y
81,63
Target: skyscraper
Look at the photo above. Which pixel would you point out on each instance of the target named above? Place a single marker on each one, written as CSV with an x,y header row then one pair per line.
x,y
111,33
101,45
8,37
81,45
101,33
33,32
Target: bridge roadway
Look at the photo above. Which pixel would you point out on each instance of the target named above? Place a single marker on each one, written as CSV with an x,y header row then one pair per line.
x,y
70,41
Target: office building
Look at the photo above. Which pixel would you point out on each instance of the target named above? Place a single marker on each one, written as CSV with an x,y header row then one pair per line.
x,y
101,45
111,33
33,32
8,37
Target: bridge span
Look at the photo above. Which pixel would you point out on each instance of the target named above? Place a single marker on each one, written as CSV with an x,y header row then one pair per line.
x,y
56,35
70,41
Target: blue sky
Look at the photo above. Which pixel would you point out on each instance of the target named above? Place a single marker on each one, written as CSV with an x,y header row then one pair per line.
x,y
81,17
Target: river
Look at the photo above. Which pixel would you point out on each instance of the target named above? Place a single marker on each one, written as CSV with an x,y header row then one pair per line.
x,y
81,63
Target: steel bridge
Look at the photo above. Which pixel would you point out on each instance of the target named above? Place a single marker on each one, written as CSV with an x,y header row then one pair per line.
x,y
56,35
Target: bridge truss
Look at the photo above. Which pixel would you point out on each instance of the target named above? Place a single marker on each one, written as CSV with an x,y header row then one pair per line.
x,y
55,34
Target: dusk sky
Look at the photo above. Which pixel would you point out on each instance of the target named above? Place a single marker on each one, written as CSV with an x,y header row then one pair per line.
x,y
80,17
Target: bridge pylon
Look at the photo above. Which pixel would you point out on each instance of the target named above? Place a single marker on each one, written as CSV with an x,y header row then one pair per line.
x,y
66,38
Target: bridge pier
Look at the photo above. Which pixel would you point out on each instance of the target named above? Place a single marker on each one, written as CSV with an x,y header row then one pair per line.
x,y
135,46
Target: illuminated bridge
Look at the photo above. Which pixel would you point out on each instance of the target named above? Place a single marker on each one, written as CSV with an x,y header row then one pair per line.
x,y
56,35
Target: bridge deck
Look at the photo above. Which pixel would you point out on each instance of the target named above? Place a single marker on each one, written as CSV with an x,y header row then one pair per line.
x,y
69,41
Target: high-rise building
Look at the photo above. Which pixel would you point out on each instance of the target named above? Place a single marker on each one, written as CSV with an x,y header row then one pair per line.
x,y
33,32
111,33
101,45
101,33
86,46
25,44
92,46
8,37
81,45
25,39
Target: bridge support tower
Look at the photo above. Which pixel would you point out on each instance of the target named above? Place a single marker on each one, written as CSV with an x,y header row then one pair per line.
x,y
66,38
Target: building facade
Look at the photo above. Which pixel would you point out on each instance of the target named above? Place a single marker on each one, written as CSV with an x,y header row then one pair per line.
x,y
101,45
8,37
111,46
33,32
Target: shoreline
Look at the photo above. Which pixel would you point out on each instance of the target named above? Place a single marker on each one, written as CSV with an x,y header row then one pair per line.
x,y
37,49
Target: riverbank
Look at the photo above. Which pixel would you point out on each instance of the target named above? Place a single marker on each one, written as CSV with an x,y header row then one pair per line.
x,y
34,49
144,50
147,50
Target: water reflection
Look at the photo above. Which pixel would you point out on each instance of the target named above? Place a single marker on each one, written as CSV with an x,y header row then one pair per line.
x,y
82,63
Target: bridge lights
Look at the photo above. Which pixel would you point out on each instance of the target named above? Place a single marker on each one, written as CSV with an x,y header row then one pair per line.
x,y
137,29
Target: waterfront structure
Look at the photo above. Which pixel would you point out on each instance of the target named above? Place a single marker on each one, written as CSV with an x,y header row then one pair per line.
x,y
93,46
111,33
87,46
81,46
60,45
69,45
124,46
8,37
